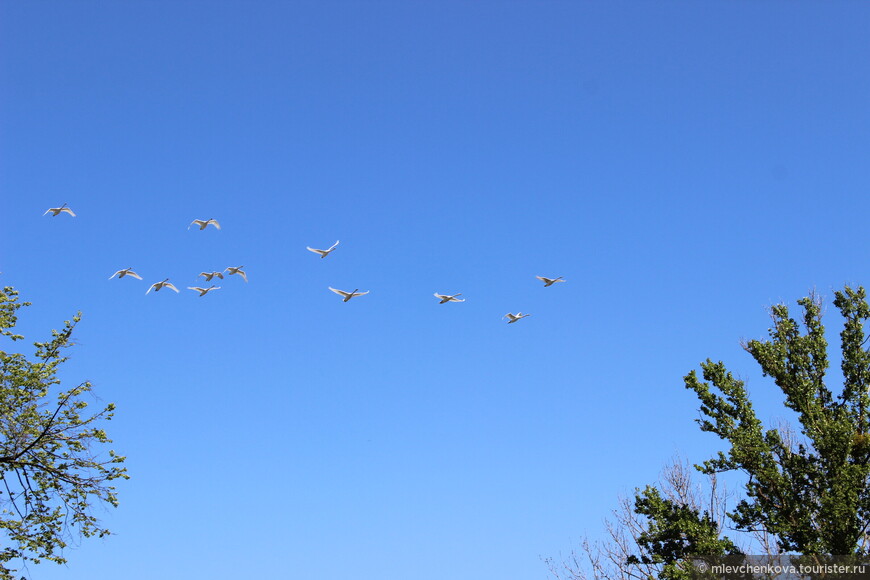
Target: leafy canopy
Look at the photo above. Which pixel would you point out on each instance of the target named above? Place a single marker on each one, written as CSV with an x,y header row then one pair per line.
x,y
810,492
807,487
52,470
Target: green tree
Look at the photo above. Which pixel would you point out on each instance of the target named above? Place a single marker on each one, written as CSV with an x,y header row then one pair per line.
x,y
52,470
807,488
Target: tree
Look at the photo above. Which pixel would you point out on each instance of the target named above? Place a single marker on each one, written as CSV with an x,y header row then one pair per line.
x,y
636,540
806,492
51,469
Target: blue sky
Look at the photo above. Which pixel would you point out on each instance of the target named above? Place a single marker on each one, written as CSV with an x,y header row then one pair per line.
x,y
683,166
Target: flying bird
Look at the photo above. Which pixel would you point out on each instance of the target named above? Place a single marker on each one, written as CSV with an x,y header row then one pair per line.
x,y
203,291
515,317
56,210
203,223
549,281
348,295
238,271
323,253
126,272
445,298
209,275
158,285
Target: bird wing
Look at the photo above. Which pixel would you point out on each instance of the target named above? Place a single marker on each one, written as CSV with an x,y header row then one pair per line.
x,y
150,288
361,293
69,211
333,246
206,275
49,210
243,275
197,222
134,274
216,224
218,274
440,296
316,251
542,279
457,299
341,292
169,285
197,288
113,275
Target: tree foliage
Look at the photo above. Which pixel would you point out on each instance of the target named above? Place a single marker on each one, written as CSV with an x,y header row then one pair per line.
x,y
807,487
649,534
52,468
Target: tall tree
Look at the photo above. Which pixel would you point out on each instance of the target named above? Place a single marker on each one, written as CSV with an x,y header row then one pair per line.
x,y
807,488
52,465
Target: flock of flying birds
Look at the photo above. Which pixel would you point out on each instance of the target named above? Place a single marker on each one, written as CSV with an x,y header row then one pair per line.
x,y
157,286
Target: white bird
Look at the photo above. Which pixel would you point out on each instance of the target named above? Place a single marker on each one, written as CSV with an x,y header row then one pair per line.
x,y
515,317
549,281
445,298
126,272
238,271
158,285
203,291
349,295
323,253
203,223
209,275
56,210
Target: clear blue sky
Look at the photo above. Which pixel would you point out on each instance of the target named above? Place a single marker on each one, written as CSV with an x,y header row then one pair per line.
x,y
682,164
